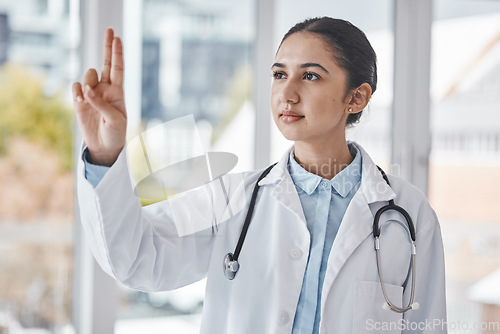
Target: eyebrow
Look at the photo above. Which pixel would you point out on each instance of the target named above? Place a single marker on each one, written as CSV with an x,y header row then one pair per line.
x,y
305,65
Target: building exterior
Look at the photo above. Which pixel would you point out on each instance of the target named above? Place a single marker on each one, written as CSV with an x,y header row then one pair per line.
x,y
40,36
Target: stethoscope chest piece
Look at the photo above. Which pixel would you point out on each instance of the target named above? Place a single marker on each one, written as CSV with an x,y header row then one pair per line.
x,y
230,266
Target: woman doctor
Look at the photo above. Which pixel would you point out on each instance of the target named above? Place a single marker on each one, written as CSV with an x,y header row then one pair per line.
x,y
308,264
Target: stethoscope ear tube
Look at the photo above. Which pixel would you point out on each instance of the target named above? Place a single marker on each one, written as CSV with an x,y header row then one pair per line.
x,y
392,206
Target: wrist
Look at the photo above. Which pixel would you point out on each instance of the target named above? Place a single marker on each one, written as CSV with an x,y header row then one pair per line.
x,y
102,158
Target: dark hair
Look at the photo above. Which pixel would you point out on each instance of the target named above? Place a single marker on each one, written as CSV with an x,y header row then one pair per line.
x,y
351,49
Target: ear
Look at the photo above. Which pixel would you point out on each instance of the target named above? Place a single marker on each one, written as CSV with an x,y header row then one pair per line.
x,y
359,98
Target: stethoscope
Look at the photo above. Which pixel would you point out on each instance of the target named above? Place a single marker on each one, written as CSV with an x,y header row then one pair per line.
x,y
231,264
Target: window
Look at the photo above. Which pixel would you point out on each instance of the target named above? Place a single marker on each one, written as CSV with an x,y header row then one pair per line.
x,y
196,60
36,210
465,161
186,68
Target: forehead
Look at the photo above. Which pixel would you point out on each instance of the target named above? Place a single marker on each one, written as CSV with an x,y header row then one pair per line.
x,y
302,47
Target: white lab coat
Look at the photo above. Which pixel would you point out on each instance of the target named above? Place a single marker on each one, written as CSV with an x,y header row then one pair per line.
x,y
180,241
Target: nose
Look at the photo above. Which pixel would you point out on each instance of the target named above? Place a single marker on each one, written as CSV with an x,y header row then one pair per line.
x,y
289,93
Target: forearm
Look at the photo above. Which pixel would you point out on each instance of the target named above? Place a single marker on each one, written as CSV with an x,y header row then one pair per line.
x,y
142,247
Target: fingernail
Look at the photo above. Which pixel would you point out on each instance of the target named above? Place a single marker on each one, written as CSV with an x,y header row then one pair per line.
x,y
79,99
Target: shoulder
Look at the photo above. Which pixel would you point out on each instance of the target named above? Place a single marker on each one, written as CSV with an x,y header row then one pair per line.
x,y
406,190
248,179
413,200
250,176
408,196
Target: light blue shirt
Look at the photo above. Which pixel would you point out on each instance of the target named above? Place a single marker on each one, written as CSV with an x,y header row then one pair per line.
x,y
324,203
93,173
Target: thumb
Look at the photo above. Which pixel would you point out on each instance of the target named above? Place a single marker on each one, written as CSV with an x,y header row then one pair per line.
x,y
97,102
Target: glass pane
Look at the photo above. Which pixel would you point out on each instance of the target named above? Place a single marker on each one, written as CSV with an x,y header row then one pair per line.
x,y
375,19
196,60
465,159
37,59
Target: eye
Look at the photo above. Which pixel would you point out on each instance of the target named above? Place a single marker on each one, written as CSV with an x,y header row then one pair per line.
x,y
279,75
311,76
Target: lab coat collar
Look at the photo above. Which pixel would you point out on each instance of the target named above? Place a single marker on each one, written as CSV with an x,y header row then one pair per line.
x,y
373,184
284,191
279,171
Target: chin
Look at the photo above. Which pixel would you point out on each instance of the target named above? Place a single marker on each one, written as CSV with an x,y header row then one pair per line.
x,y
289,135
289,131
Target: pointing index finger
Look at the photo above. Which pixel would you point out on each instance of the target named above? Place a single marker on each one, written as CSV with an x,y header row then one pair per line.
x,y
107,46
117,62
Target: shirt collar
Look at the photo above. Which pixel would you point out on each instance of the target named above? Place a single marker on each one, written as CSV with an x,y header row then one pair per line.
x,y
343,182
302,178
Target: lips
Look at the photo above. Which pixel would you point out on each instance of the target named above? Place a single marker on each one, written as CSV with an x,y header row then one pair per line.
x,y
290,116
291,113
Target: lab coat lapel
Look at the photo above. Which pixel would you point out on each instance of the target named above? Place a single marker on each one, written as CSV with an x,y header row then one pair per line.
x,y
284,191
357,223
355,227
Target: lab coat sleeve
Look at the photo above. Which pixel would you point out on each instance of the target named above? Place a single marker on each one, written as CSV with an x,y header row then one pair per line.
x,y
430,278
159,247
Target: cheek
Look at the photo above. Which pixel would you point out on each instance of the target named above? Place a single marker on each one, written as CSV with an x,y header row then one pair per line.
x,y
275,101
323,102
274,94
326,109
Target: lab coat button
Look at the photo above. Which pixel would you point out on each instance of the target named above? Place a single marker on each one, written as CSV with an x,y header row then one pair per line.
x,y
283,318
295,253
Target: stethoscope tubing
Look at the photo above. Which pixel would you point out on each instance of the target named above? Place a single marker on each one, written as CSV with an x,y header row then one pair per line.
x,y
376,235
382,284
231,264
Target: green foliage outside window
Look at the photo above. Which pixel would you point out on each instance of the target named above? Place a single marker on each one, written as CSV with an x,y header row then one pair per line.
x,y
26,111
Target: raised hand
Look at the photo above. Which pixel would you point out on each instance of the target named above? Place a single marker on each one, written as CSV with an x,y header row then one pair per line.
x,y
100,105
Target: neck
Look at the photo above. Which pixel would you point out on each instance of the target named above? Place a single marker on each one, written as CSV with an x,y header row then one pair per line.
x,y
325,160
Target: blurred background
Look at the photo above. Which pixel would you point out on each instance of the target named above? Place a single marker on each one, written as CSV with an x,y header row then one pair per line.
x,y
212,58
